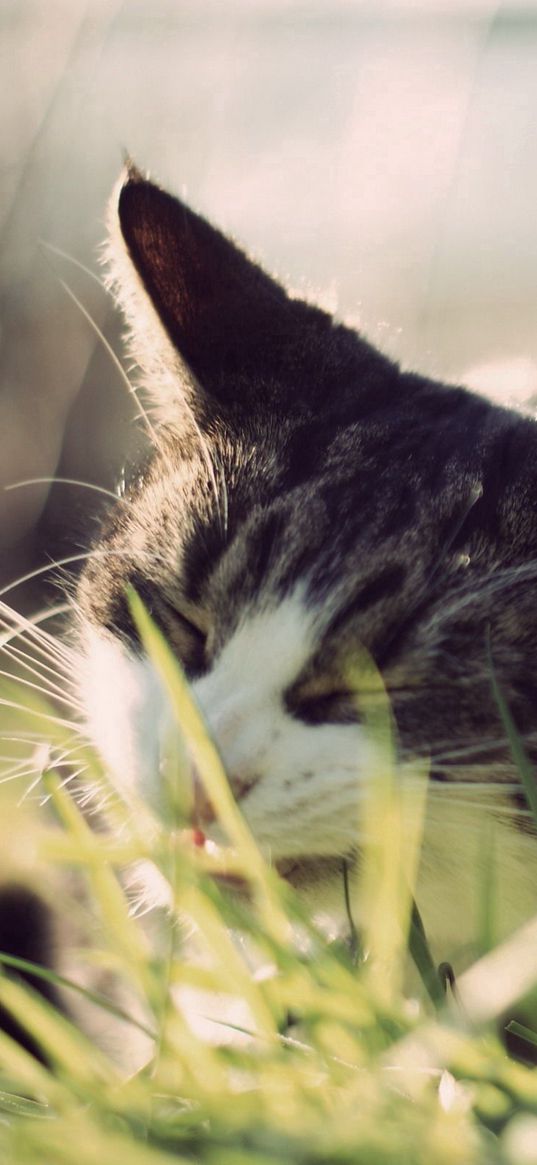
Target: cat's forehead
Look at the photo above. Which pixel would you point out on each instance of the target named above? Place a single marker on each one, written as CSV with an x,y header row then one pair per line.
x,y
288,450
242,539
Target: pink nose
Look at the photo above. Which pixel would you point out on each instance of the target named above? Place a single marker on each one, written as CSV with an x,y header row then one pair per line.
x,y
203,812
202,809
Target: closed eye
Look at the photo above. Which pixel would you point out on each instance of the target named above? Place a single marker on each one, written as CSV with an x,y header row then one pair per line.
x,y
189,624
188,638
333,707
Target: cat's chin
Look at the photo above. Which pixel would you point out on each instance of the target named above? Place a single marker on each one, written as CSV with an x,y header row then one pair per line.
x,y
318,881
320,884
301,873
319,866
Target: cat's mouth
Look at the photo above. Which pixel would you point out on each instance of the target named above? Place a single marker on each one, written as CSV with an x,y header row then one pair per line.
x,y
299,871
303,872
296,871
286,867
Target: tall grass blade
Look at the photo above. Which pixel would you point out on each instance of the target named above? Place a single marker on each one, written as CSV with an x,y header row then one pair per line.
x,y
520,757
210,768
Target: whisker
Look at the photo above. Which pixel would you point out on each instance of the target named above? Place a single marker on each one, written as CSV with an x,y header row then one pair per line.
x,y
72,776
466,750
6,758
63,784
69,702
16,764
477,778
95,552
76,262
487,806
16,776
501,791
444,787
25,738
67,561
33,627
100,489
66,756
36,620
492,582
29,711
58,666
33,636
28,792
115,360
476,493
225,499
86,798
23,659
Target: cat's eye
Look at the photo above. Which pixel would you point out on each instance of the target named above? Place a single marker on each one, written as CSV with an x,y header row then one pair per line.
x,y
187,634
191,625
328,706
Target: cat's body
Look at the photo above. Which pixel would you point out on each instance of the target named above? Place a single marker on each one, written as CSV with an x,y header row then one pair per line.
x,y
306,499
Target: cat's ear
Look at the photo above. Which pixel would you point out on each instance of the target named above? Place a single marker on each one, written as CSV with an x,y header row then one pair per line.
x,y
226,320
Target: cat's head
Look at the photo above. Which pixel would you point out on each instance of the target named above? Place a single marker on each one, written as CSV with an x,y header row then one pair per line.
x,y
305,500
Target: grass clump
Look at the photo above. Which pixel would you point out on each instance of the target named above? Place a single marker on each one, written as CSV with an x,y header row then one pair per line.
x,y
256,1041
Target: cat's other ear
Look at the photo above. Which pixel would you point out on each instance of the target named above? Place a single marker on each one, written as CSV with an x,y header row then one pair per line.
x,y
197,304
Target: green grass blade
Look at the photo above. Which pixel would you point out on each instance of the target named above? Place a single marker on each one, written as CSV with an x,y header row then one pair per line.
x,y
520,757
525,1033
487,888
390,821
420,952
52,977
210,768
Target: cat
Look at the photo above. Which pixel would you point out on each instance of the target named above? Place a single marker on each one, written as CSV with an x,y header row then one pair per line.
x,y
307,500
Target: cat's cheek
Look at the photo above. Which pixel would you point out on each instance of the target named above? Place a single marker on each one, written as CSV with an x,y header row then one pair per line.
x,y
126,714
308,800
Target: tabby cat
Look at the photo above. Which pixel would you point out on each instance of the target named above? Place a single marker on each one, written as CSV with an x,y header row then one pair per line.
x,y
307,500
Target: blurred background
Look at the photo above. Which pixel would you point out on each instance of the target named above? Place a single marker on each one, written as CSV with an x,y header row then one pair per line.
x,y
382,154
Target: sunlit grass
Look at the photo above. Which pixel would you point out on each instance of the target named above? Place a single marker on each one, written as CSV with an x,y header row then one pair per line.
x,y
209,981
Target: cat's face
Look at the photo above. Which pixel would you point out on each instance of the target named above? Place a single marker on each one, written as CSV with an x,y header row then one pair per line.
x,y
305,500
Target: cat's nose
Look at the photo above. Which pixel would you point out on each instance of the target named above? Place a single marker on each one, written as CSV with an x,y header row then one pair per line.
x,y
203,812
202,807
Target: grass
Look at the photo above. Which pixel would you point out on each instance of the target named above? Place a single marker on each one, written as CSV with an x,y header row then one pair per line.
x,y
365,1073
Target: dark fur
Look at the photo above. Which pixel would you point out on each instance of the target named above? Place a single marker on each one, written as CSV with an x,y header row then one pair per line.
x,y
407,507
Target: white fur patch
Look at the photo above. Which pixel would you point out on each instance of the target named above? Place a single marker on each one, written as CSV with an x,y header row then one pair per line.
x,y
301,784
126,712
302,781
298,784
